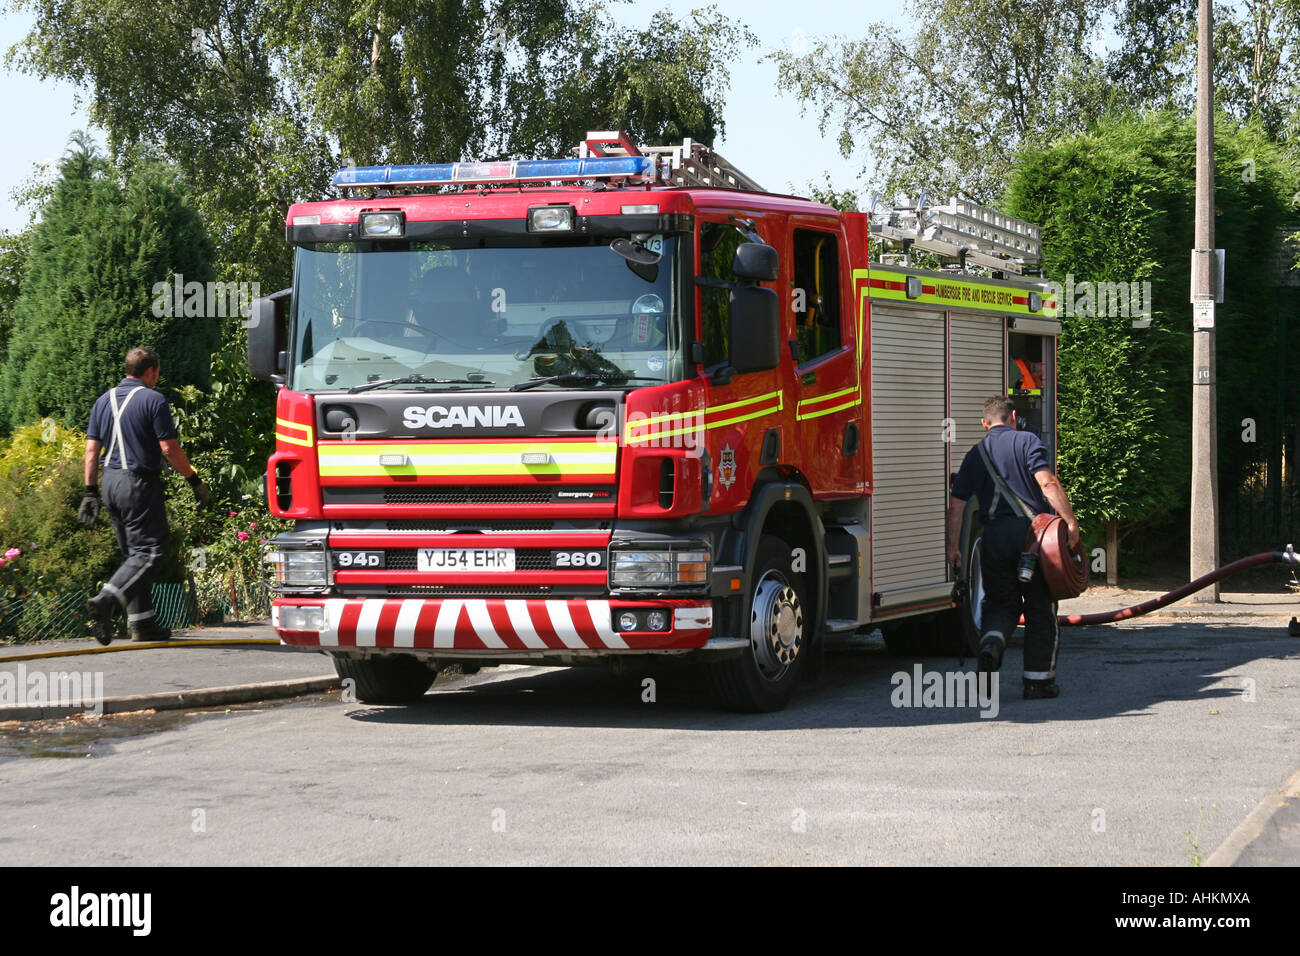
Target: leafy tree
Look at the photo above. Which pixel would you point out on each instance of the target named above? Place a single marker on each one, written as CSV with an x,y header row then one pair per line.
x,y
13,256
86,294
258,101
947,107
1256,46
1256,54
1154,64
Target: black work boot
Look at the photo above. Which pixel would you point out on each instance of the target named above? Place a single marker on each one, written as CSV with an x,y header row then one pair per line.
x,y
1042,689
151,631
990,659
100,610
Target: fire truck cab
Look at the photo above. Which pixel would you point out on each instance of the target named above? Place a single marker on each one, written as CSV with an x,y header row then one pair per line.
x,y
627,404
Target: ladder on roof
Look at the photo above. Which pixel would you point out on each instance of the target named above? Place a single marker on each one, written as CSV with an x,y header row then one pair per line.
x,y
690,164
961,230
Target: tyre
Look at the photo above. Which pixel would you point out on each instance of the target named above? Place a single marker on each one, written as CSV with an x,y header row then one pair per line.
x,y
764,677
387,680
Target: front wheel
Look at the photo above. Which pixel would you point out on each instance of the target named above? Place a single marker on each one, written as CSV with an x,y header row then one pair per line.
x,y
386,680
763,678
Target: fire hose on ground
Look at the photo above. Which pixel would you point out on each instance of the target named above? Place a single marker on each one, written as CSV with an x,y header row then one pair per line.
x,y
1289,556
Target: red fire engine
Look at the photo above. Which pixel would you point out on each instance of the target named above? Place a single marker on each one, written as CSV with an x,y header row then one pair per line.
x,y
627,404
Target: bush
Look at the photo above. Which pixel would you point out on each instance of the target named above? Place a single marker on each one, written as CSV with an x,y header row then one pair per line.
x,y
228,571
49,562
58,561
41,481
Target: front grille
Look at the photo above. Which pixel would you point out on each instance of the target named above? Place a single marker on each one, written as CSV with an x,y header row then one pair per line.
x,y
496,527
466,496
526,559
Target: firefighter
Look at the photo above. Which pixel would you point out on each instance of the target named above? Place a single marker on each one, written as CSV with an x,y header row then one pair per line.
x,y
1021,459
137,424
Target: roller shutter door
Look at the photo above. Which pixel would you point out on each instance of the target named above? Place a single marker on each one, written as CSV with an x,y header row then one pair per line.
x,y
977,372
909,455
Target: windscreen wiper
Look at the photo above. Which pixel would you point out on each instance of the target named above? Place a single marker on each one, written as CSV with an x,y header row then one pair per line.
x,y
418,380
581,377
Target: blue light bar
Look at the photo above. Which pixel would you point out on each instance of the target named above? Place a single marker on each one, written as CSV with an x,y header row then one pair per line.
x,y
636,169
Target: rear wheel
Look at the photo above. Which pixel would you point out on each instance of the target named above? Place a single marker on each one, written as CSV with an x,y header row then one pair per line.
x,y
387,680
764,677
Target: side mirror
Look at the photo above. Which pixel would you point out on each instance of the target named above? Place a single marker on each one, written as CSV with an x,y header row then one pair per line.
x,y
754,328
756,261
266,337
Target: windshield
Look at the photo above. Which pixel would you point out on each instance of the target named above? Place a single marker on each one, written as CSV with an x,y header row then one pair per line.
x,y
483,314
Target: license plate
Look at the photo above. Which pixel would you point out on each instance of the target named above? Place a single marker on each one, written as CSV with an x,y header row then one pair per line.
x,y
465,559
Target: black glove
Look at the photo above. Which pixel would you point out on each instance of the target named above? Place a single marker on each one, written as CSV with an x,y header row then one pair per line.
x,y
200,490
89,509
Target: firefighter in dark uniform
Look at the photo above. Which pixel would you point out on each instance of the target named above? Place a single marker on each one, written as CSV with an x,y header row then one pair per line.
x,y
134,424
1021,458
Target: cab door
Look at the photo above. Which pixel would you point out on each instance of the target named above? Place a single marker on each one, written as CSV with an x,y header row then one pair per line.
x,y
822,348
743,420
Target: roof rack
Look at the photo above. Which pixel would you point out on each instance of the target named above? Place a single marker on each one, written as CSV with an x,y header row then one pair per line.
x,y
690,164
962,230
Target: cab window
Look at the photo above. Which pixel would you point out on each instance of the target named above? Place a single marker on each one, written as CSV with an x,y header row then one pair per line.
x,y
816,293
718,244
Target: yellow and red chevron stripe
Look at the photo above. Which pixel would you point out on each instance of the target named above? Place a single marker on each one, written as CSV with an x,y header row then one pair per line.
x,y
828,403
660,427
293,433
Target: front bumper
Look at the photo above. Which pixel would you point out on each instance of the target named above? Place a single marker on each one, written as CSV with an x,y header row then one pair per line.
x,y
486,627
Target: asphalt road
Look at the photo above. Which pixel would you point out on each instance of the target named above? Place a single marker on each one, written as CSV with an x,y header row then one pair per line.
x,y
1166,737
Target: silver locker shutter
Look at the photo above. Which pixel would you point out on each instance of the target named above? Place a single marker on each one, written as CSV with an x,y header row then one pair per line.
x,y
978,367
909,460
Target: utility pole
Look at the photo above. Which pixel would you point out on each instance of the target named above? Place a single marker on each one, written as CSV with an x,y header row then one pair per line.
x,y
1205,285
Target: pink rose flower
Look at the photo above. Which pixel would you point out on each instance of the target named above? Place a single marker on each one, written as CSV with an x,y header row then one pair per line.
x,y
242,536
234,514
11,554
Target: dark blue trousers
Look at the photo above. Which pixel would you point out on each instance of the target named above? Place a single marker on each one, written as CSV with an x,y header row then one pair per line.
x,y
1001,545
135,503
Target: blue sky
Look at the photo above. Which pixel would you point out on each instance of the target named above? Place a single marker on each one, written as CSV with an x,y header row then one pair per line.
x,y
766,137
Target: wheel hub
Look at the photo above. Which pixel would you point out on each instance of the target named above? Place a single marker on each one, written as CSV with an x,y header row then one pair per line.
x,y
776,626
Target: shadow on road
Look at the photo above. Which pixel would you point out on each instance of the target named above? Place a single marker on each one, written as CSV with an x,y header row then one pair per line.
x,y
1104,672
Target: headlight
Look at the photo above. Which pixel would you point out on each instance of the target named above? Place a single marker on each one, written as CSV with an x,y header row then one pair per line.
x,y
297,566
683,565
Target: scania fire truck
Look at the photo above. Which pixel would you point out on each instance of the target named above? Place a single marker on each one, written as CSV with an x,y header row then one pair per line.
x,y
627,404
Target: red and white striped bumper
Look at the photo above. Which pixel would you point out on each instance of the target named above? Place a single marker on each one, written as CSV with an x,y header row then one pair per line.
x,y
478,624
